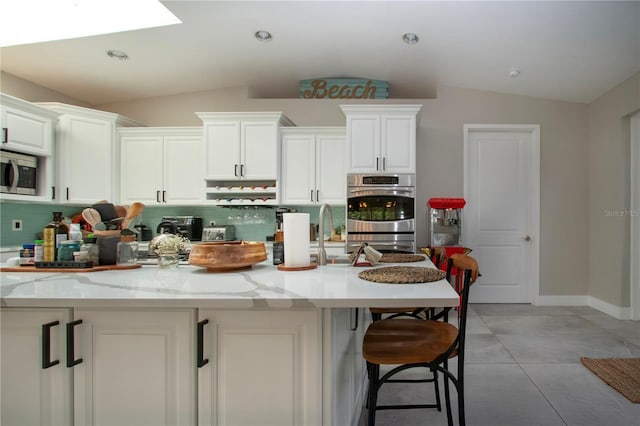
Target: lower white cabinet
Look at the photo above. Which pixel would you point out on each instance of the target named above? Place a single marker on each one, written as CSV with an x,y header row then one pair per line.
x,y
264,368
345,369
137,367
33,393
181,366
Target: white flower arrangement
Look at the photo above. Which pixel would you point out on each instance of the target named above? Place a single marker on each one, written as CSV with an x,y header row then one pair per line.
x,y
168,243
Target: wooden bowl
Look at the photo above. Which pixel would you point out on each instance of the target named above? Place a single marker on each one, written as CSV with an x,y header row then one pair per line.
x,y
227,255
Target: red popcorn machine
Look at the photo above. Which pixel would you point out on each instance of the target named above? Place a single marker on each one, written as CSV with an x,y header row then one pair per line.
x,y
446,221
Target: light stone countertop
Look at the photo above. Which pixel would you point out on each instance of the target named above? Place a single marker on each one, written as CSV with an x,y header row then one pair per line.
x,y
261,286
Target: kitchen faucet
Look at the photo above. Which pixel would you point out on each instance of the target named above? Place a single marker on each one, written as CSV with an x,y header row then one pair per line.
x,y
322,254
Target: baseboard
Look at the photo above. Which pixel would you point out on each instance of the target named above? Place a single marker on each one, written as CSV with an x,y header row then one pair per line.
x,y
562,301
618,312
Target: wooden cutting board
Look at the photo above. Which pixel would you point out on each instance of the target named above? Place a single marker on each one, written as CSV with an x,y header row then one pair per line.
x,y
94,269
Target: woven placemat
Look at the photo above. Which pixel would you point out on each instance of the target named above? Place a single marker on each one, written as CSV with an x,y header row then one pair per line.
x,y
400,258
402,275
622,374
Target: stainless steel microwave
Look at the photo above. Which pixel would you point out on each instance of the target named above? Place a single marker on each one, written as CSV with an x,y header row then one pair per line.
x,y
18,173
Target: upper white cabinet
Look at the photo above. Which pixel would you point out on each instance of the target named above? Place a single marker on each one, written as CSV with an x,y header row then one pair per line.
x,y
313,166
87,154
381,138
161,165
242,145
26,127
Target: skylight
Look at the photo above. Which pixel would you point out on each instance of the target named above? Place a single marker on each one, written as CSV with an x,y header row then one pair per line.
x,y
34,21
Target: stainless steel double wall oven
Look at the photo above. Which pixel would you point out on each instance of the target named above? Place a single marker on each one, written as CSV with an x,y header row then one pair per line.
x,y
381,212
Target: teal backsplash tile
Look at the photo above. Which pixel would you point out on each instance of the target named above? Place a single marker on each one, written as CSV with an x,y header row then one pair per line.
x,y
251,223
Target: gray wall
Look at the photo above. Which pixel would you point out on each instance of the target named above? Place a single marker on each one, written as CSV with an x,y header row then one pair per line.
x,y
609,192
575,185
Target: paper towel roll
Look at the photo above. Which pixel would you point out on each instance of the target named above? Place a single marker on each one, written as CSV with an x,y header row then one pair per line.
x,y
296,239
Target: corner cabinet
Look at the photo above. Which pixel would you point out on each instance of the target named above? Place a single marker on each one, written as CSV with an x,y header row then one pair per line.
x,y
242,156
381,138
161,165
313,166
87,154
29,129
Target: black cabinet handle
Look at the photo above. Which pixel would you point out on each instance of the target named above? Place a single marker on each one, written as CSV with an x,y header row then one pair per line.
x,y
354,324
235,170
201,360
71,361
241,169
377,163
164,196
67,193
158,196
311,196
53,192
46,345
317,195
384,163
5,135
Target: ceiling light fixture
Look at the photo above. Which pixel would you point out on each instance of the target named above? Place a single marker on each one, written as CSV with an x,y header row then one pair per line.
x,y
117,54
35,21
514,73
410,38
263,35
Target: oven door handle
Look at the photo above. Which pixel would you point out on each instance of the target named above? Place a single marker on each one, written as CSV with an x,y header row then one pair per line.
x,y
363,192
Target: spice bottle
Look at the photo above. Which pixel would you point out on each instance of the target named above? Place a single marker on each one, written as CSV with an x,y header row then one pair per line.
x,y
38,251
49,243
91,248
60,230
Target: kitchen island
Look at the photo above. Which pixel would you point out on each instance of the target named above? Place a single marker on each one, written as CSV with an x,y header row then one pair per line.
x,y
186,346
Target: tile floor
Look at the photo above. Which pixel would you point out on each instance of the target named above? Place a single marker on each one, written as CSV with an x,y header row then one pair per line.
x,y
523,368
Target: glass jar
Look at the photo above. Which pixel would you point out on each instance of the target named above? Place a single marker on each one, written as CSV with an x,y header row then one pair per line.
x,y
127,253
66,249
90,247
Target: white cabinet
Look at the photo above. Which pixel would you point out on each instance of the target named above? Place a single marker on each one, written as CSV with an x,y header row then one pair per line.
x,y
242,145
381,138
138,367
161,165
26,127
87,154
264,368
33,393
345,376
313,166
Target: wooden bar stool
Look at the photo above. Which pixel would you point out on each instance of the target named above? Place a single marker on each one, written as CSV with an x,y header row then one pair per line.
x,y
429,344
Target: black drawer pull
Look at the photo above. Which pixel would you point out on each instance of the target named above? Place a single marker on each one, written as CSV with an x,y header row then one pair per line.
x,y
5,135
201,361
46,345
71,361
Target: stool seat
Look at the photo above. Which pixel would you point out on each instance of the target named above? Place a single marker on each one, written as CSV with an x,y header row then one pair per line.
x,y
406,341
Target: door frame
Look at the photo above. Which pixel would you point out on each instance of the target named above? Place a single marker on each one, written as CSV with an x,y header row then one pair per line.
x,y
534,130
634,273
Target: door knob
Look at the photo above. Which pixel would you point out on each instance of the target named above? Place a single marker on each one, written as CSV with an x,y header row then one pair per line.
x,y
527,238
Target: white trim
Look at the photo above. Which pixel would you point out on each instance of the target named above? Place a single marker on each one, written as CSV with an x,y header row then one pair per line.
x,y
621,313
534,129
634,251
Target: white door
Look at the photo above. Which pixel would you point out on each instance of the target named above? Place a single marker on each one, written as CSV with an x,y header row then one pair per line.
x,y
501,216
330,169
259,152
141,169
183,181
298,169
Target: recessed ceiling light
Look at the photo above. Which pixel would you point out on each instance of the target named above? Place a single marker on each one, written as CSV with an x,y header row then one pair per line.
x,y
263,35
117,54
513,73
410,38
